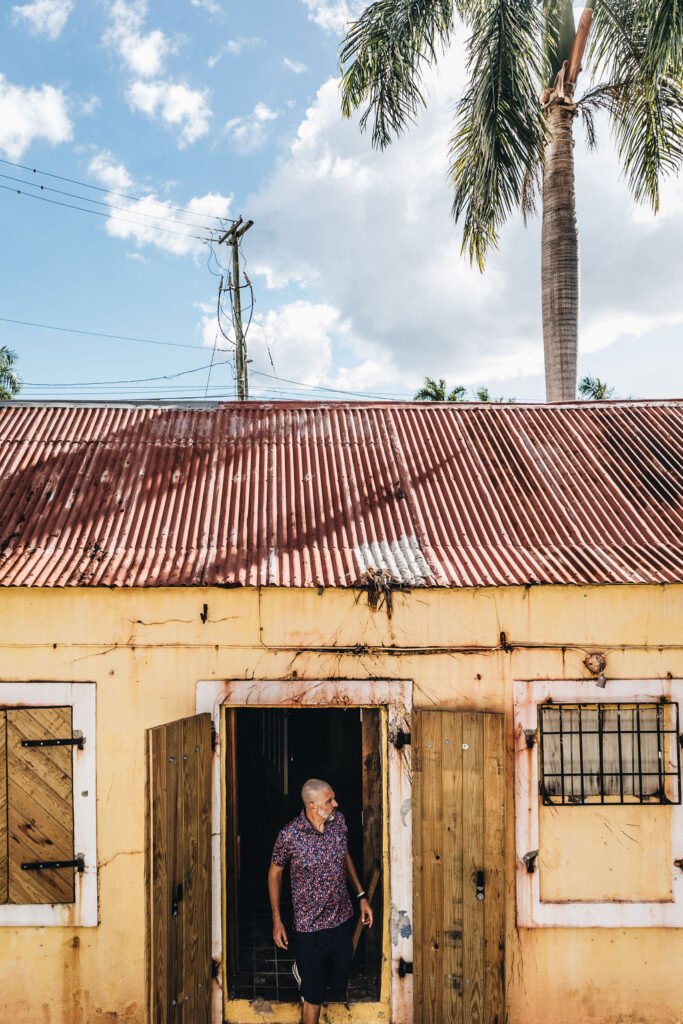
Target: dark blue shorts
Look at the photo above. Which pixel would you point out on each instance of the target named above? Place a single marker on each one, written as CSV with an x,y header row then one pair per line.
x,y
324,959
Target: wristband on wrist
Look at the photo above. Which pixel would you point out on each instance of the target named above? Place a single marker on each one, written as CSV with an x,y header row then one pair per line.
x,y
360,894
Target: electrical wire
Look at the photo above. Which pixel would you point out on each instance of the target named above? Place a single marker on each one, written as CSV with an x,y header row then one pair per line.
x,y
111,192
107,206
99,334
100,213
130,380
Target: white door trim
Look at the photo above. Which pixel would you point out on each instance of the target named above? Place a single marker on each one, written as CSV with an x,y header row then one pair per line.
x,y
396,696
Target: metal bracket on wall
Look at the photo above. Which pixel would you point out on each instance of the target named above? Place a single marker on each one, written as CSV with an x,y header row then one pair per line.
x,y
72,741
529,860
404,967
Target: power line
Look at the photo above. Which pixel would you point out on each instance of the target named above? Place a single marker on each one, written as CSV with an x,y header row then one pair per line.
x,y
101,202
100,213
131,380
99,334
111,192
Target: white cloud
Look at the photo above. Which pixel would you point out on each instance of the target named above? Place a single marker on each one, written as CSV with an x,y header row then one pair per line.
x,y
143,53
29,114
89,106
334,15
296,66
176,104
234,47
210,6
143,220
44,17
248,134
111,174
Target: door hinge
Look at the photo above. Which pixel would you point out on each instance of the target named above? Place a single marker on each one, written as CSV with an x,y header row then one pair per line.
x,y
72,741
400,739
41,865
404,967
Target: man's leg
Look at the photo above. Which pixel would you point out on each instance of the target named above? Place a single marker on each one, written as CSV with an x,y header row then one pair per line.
x,y
310,1013
340,956
311,952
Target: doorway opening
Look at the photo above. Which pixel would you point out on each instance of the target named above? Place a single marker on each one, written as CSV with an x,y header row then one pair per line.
x,y
270,753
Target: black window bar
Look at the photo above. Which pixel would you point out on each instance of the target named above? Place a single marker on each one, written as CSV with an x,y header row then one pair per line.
x,y
609,753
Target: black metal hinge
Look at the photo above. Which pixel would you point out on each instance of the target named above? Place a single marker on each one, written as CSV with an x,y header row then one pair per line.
x,y
401,739
404,967
41,865
73,741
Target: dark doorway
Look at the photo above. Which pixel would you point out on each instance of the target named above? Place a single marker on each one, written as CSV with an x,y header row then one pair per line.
x,y
272,752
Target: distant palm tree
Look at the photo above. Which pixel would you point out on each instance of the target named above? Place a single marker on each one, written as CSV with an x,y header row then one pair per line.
x,y
505,139
594,389
10,382
435,391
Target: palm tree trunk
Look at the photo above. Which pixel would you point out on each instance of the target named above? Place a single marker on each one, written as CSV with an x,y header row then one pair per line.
x,y
560,258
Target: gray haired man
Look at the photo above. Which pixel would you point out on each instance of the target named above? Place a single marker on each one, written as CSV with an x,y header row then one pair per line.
x,y
315,846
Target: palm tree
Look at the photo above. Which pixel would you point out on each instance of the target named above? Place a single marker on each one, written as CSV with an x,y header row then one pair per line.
x,y
10,383
435,391
594,389
515,122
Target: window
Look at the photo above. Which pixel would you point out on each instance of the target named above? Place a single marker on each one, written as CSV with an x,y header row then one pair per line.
x,y
48,809
36,822
609,753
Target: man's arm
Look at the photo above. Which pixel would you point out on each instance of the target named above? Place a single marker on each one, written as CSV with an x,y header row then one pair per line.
x,y
275,874
365,908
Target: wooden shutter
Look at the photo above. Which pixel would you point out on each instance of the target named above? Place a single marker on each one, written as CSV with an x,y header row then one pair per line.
x,y
458,845
178,871
39,805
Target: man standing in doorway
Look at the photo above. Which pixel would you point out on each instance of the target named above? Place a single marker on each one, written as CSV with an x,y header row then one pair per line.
x,y
315,847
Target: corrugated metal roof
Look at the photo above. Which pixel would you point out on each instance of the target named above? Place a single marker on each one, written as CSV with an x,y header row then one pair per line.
x,y
314,494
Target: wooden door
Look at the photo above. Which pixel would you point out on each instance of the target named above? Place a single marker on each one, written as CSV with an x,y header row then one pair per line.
x,y
458,867
178,871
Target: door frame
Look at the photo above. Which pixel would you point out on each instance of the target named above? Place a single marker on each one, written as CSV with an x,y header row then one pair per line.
x,y
395,697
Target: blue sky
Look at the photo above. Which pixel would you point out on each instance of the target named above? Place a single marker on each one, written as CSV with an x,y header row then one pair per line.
x,y
225,108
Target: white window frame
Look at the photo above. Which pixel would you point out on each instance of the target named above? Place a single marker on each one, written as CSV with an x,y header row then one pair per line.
x,y
532,912
80,697
397,696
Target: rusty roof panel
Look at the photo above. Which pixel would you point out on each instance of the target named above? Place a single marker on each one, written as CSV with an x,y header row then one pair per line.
x,y
314,494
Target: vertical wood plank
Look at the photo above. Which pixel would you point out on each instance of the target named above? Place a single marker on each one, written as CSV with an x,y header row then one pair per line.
x,y
372,833
204,894
473,861
39,805
453,853
494,866
161,896
149,944
432,856
4,862
418,873
174,846
231,840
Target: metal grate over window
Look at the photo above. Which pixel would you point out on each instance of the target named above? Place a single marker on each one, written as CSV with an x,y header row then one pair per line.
x,y
609,753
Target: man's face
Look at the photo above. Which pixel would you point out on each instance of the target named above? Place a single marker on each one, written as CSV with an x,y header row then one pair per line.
x,y
327,805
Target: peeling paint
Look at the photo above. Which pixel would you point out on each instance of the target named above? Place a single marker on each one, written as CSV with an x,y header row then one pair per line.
x,y
400,925
262,1007
406,808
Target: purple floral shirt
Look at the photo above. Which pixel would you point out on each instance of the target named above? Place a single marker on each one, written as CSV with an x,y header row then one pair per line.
x,y
317,864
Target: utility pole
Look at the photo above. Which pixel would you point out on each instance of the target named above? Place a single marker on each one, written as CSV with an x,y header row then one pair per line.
x,y
232,237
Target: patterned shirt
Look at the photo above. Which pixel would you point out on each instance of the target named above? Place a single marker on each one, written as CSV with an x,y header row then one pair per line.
x,y
317,863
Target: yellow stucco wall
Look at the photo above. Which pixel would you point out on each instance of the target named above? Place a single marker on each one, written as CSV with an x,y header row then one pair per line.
x,y
146,650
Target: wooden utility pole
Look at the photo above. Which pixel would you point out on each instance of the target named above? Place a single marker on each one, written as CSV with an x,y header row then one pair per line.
x,y
232,237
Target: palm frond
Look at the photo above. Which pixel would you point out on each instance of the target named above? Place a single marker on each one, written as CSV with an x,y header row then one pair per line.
x,y
589,126
383,57
500,131
558,35
663,48
637,46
